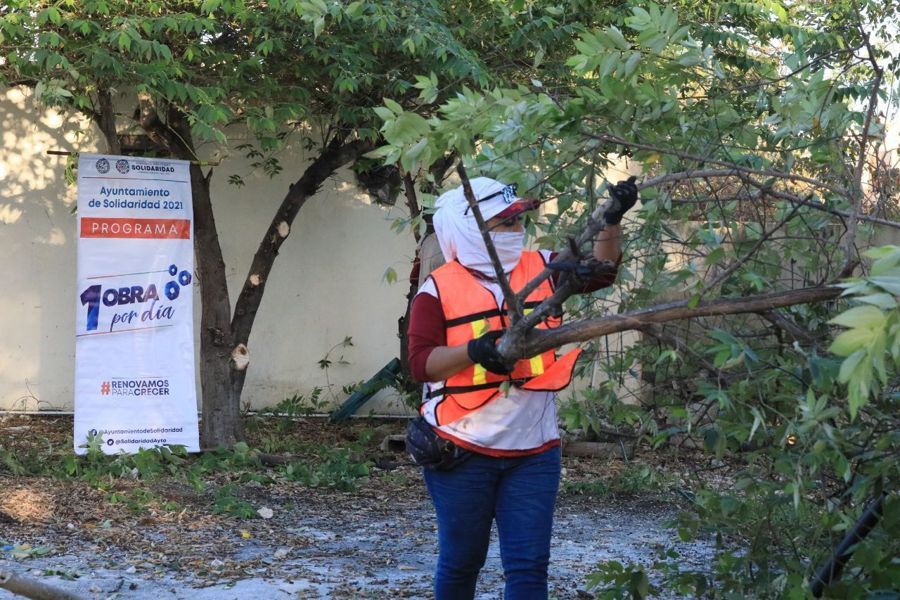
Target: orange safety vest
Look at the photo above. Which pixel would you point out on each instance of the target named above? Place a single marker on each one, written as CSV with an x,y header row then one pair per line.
x,y
470,311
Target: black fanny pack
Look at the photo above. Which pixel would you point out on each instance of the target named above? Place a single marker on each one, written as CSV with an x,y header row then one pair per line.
x,y
429,450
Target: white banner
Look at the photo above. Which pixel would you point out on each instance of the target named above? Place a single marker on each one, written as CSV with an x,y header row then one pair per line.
x,y
134,348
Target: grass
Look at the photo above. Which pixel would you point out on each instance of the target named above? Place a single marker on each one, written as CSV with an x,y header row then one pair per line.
x,y
633,479
326,456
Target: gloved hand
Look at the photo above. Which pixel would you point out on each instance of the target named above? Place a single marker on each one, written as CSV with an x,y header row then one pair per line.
x,y
483,351
626,193
587,270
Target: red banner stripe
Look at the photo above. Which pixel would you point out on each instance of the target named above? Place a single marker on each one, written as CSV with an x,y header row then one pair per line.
x,y
105,227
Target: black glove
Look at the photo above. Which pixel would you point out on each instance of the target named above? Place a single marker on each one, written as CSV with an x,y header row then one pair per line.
x,y
626,193
587,270
483,351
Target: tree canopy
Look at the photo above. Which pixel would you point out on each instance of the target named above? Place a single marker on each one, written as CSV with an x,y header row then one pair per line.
x,y
765,335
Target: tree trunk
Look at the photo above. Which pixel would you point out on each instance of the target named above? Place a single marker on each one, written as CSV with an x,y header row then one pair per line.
x,y
221,359
220,396
224,356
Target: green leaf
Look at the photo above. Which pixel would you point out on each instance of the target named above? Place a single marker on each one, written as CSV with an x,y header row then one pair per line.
x,y
887,258
383,113
617,38
882,301
632,63
394,106
210,6
354,9
868,317
318,26
889,284
757,421
850,364
850,341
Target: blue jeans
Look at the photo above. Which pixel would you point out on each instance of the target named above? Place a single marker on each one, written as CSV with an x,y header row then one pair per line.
x,y
520,493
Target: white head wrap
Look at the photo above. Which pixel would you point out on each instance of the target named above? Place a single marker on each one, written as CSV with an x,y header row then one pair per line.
x,y
457,231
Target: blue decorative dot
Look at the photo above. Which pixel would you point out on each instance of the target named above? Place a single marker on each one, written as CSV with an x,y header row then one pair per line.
x,y
173,269
172,290
184,278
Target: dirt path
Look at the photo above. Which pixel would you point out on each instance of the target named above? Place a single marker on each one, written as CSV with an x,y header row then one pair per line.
x,y
335,547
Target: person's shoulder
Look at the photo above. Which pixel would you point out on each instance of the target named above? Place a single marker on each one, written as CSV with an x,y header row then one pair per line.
x,y
428,288
448,267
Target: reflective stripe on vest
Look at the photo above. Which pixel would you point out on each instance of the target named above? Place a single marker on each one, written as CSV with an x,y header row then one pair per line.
x,y
470,311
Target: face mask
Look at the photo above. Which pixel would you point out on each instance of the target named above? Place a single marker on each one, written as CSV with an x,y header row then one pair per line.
x,y
472,253
509,247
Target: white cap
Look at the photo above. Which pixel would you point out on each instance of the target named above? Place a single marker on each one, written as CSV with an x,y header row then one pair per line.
x,y
493,198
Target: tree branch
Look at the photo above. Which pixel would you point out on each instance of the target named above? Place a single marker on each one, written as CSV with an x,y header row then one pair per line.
x,y
614,139
30,588
541,340
808,203
713,173
850,254
336,154
412,202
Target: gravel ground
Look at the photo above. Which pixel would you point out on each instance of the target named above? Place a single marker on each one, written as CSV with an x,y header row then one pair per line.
x,y
161,538
341,550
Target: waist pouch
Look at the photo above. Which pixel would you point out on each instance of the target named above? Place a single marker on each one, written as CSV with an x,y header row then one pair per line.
x,y
429,450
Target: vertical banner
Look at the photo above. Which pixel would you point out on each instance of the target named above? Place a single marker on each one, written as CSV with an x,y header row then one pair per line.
x,y
134,345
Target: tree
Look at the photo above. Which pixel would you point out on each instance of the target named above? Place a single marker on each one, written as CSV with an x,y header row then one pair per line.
x,y
681,109
755,124
186,71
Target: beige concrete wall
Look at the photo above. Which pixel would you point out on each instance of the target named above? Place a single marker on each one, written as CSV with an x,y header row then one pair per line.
x,y
326,284
37,245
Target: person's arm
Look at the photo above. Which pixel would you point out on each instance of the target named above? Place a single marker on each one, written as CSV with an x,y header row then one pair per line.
x,y
608,244
430,359
607,247
445,361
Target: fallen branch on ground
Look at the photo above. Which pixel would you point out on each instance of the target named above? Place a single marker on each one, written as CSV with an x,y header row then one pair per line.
x,y
30,588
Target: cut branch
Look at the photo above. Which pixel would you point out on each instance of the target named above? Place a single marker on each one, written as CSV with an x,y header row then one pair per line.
x,y
541,340
595,225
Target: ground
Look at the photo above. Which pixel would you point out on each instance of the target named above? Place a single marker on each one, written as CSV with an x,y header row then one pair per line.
x,y
239,530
